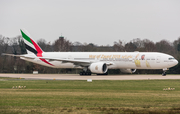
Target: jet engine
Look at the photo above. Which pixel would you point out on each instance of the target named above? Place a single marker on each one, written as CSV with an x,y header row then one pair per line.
x,y
99,68
128,70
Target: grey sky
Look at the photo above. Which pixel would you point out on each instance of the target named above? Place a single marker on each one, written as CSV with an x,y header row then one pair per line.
x,y
98,21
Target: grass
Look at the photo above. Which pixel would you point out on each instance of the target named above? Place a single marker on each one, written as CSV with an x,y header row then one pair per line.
x,y
58,96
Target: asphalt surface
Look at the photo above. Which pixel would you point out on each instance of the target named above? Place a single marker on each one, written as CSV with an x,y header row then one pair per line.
x,y
93,77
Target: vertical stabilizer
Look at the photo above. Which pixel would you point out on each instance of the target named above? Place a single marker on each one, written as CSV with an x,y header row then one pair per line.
x,y
30,44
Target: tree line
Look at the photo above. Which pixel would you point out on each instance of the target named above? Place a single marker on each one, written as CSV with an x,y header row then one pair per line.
x,y
16,46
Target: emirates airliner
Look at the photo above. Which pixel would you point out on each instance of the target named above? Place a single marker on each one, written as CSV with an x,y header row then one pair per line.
x,y
96,62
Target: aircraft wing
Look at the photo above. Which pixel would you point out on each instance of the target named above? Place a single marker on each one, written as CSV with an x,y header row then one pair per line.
x,y
12,55
76,62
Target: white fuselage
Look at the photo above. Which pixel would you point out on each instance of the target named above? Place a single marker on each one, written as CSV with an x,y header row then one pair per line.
x,y
118,60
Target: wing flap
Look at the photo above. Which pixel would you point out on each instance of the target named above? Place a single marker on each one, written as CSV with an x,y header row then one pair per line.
x,y
75,62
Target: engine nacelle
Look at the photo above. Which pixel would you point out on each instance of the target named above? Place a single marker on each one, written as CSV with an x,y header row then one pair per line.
x,y
99,68
128,70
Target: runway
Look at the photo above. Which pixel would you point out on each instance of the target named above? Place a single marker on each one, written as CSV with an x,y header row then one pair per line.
x,y
93,77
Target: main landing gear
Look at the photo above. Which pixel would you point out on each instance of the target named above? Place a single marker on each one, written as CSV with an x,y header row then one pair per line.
x,y
85,72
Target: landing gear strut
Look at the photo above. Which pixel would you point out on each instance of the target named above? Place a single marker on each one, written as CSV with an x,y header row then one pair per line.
x,y
164,72
85,72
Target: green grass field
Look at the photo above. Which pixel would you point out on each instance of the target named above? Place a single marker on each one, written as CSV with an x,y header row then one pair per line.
x,y
58,96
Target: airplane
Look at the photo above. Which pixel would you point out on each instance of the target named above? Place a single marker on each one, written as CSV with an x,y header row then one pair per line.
x,y
95,62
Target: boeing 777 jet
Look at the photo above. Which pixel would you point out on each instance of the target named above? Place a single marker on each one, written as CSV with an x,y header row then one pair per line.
x,y
96,62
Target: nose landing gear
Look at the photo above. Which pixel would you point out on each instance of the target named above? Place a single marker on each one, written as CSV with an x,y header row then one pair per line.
x,y
164,71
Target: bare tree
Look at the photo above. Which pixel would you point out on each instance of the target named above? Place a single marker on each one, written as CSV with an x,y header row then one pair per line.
x,y
14,45
77,46
165,47
118,46
149,46
4,43
130,47
44,46
176,44
62,45
138,42
21,45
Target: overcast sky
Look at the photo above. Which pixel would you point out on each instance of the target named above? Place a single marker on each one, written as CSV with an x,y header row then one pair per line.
x,y
92,21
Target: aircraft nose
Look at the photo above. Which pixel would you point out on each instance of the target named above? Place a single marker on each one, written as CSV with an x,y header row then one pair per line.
x,y
175,62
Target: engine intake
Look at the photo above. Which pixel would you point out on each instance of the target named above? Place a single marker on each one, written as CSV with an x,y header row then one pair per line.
x,y
99,68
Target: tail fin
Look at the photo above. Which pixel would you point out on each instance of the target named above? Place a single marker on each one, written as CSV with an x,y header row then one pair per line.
x,y
30,44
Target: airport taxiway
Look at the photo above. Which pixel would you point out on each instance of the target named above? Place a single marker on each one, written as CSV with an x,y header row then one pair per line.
x,y
93,77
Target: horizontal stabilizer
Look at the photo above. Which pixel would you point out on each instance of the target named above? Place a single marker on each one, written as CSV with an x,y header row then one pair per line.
x,y
25,56
12,55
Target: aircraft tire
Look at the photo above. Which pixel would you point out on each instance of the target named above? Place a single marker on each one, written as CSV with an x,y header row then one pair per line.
x,y
84,73
164,74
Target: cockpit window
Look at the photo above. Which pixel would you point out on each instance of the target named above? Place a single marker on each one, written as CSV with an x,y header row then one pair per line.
x,y
171,58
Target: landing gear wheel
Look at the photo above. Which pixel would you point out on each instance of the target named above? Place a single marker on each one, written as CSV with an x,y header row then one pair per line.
x,y
84,73
88,73
164,71
164,74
